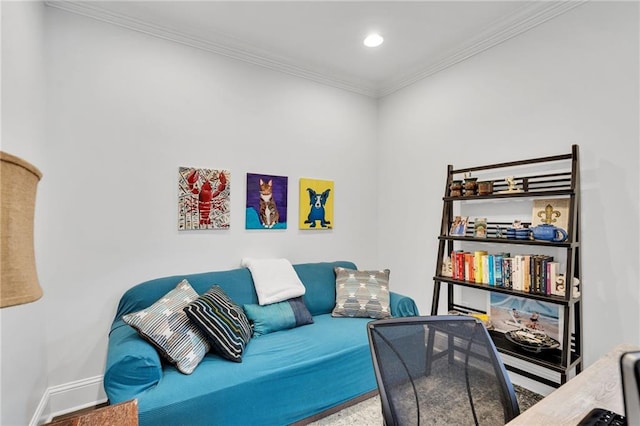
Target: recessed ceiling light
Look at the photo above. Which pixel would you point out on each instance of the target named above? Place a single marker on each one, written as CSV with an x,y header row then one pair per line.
x,y
373,40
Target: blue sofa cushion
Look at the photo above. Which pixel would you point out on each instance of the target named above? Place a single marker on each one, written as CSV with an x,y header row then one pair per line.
x,y
278,316
165,325
237,283
320,282
284,377
362,294
222,321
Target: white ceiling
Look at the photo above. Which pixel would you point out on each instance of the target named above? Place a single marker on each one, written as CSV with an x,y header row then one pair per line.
x,y
322,40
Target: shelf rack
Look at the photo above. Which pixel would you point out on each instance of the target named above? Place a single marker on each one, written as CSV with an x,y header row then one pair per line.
x,y
534,181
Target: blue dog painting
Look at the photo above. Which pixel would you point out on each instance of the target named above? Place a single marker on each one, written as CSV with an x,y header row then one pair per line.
x,y
317,212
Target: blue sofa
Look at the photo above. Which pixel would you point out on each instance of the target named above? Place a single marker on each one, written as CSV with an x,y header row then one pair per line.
x,y
284,376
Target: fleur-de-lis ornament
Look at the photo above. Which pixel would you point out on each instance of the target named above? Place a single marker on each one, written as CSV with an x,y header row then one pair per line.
x,y
549,214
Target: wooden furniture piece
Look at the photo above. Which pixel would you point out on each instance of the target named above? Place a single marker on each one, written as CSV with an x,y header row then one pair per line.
x,y
598,386
506,186
122,414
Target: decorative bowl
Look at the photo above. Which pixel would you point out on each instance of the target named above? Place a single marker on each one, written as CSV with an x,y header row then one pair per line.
x,y
531,340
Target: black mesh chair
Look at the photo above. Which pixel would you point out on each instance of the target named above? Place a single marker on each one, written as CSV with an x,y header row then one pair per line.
x,y
440,370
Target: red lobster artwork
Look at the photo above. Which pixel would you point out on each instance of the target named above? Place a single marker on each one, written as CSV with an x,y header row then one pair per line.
x,y
206,195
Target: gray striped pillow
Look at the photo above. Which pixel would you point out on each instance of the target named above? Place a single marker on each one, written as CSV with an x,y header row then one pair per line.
x,y
165,325
222,321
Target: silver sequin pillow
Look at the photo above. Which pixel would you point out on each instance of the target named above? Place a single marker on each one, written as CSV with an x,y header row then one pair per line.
x,y
166,326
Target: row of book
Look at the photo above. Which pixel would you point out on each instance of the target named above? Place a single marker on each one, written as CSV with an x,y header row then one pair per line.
x,y
530,273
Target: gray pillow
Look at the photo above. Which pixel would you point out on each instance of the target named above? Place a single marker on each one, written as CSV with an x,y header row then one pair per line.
x,y
165,325
362,294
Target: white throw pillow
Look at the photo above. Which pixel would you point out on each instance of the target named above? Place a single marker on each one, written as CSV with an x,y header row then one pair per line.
x,y
275,280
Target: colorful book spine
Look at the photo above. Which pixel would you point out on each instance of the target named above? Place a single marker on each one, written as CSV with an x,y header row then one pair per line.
x,y
537,275
454,270
507,264
516,274
457,264
548,277
544,280
526,273
469,274
477,265
491,270
498,270
460,264
485,268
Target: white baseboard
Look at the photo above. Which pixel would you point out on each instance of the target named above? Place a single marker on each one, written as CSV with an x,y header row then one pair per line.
x,y
72,396
69,397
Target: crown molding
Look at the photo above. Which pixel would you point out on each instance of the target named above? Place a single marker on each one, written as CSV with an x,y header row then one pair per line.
x,y
224,45
498,32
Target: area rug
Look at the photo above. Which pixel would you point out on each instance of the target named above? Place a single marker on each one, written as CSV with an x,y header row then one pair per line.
x,y
369,413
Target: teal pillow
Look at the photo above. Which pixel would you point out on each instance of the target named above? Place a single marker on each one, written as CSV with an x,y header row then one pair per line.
x,y
278,316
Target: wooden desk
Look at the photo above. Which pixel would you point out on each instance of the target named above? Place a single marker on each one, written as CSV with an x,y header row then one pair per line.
x,y
599,385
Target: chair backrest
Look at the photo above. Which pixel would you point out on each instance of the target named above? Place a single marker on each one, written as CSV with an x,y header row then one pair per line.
x,y
440,370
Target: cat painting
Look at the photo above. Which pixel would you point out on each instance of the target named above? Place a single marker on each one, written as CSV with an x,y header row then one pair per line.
x,y
268,213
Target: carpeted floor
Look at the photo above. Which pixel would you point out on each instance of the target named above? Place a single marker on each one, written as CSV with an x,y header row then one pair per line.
x,y
368,412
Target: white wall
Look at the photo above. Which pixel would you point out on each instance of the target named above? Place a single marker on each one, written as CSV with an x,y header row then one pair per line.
x,y
574,79
124,111
23,355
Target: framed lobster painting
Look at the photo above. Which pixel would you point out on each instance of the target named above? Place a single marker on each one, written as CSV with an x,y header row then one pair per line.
x,y
204,198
